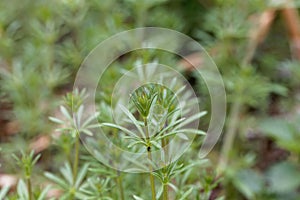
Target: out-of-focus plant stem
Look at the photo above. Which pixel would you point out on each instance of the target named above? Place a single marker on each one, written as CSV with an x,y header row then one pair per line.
x,y
120,186
292,22
76,158
257,36
230,134
29,188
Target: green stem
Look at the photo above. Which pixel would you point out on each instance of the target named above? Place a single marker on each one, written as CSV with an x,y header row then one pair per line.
x,y
120,186
76,158
151,177
165,192
29,188
164,143
69,157
150,158
165,186
230,134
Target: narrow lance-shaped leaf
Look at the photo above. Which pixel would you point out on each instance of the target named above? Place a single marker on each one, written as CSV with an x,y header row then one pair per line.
x,y
81,175
191,119
125,130
132,118
44,193
56,120
186,194
171,125
65,112
56,180
66,171
90,119
190,131
79,115
137,197
135,143
4,190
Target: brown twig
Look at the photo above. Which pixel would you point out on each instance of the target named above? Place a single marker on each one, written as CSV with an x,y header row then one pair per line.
x,y
257,35
291,17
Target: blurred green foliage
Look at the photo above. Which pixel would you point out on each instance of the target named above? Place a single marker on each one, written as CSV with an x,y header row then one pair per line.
x,y
43,43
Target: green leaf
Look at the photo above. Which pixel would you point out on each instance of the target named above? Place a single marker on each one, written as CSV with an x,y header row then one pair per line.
x,y
186,194
156,144
192,118
135,143
137,197
173,187
22,190
120,128
65,112
4,191
171,125
249,182
81,175
134,121
283,177
276,128
192,131
159,176
90,119
56,180
93,126
34,161
56,120
160,191
44,193
66,172
79,114
87,132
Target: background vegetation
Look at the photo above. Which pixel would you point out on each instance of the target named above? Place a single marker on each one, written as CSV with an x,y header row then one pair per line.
x,y
255,45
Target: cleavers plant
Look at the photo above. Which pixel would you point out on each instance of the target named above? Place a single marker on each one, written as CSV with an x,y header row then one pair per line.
x,y
156,114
